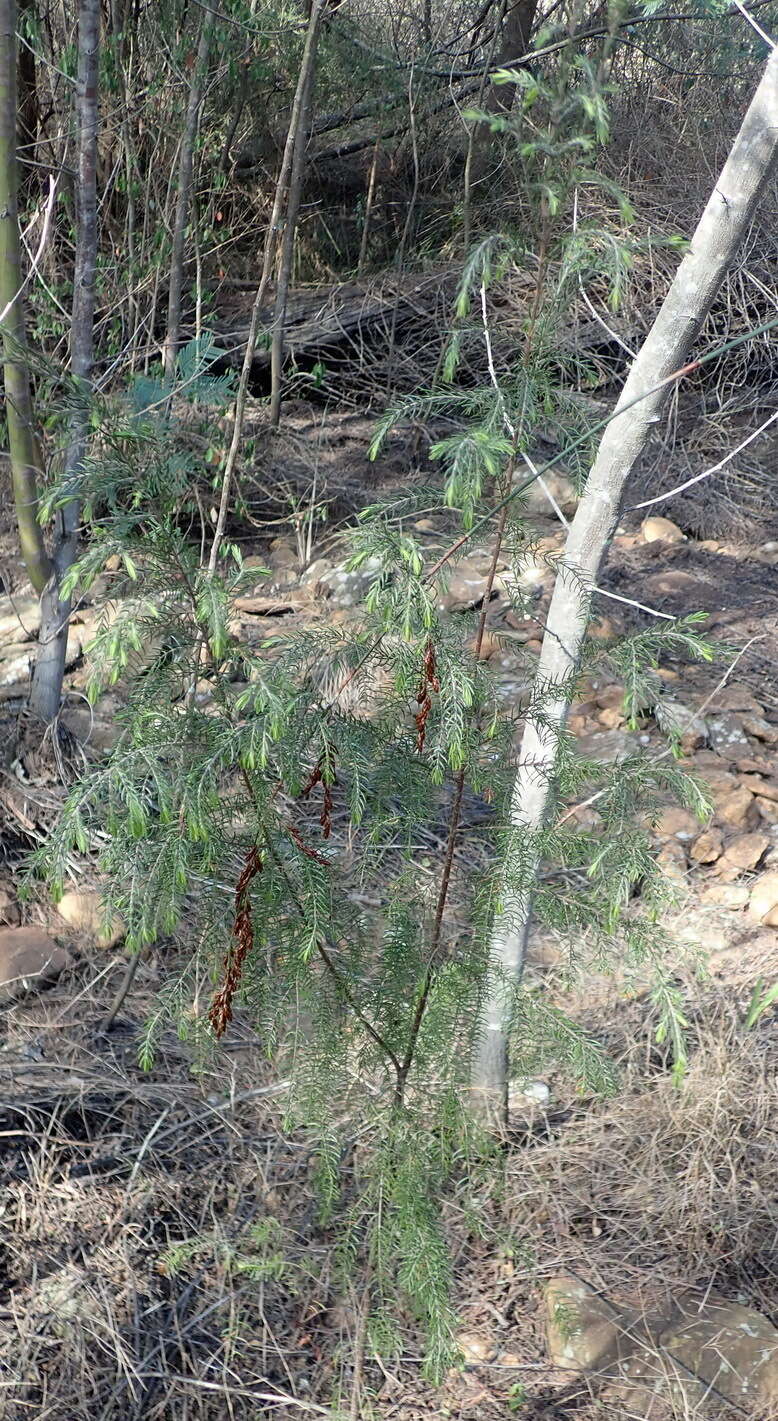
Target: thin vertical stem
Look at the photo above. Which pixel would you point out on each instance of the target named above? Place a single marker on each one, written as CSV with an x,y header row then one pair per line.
x,y
368,208
183,201
49,669
271,240
453,829
299,127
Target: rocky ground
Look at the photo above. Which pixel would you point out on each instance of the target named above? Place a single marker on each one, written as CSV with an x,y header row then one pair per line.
x,y
629,1271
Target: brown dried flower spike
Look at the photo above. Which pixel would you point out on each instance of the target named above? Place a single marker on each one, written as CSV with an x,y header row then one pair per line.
x,y
306,849
243,933
317,777
429,679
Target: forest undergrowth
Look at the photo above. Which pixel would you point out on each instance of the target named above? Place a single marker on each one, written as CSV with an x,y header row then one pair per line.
x,y
395,984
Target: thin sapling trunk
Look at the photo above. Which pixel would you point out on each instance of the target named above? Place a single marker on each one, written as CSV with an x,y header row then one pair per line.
x,y
271,243
299,128
184,197
46,689
23,445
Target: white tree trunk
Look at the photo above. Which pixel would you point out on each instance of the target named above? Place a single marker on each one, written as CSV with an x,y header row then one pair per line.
x,y
717,238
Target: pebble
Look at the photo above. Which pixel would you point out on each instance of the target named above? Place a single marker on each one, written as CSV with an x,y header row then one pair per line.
x,y
764,898
535,1091
708,846
83,911
661,530
727,736
475,1346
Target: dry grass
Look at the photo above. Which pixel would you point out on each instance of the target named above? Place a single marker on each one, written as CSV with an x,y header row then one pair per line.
x,y
107,1170
662,1189
670,1184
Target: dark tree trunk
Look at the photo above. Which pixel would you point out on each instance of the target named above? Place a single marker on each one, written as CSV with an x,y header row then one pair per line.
x,y
516,34
46,690
28,107
513,42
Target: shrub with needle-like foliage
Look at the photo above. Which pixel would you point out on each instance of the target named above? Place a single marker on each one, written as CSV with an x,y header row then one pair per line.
x,y
294,847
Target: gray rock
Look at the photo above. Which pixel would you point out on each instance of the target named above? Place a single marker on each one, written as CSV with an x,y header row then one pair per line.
x,y
727,736
727,1347
760,728
348,589
513,684
466,585
15,661
16,658
29,960
585,1331
677,719
281,578
696,1354
607,747
316,572
736,697
535,1093
283,554
561,487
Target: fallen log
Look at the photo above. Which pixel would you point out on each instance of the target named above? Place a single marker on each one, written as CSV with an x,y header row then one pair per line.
x,y
405,321
322,318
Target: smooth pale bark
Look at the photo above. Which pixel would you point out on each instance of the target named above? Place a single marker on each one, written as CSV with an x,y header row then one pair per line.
x,y
299,128
184,198
720,232
46,688
23,445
